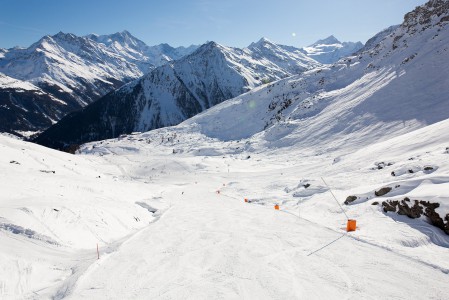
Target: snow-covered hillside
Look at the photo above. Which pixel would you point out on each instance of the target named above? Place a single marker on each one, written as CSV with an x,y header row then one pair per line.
x,y
204,241
330,49
178,90
54,210
399,85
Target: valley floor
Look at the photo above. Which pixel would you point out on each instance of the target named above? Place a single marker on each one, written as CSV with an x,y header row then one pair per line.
x,y
173,224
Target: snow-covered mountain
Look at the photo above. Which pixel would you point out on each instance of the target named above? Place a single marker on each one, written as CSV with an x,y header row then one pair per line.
x,y
283,57
330,49
72,68
398,85
176,91
372,42
135,51
79,70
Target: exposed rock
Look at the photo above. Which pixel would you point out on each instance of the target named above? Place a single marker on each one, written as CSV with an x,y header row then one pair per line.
x,y
418,209
434,218
350,199
381,165
428,168
389,206
382,191
375,203
412,212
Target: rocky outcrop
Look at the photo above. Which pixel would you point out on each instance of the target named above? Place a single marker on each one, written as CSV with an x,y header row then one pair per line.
x,y
419,208
383,191
350,199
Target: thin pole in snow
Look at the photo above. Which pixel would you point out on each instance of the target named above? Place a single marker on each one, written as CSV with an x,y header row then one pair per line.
x,y
335,199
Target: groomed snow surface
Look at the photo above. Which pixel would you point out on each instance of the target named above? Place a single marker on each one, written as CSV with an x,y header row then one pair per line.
x,y
167,211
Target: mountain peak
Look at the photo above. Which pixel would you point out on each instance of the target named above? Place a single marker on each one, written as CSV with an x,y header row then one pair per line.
x,y
264,40
123,37
64,36
211,44
125,33
327,41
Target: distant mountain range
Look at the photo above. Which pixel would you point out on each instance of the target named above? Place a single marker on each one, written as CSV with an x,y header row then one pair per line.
x,y
74,72
330,50
178,90
71,72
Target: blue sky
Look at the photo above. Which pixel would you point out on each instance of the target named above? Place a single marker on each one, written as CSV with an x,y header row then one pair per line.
x,y
185,22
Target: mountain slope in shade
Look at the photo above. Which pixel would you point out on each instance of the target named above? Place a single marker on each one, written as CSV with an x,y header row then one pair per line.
x,y
26,108
330,49
176,91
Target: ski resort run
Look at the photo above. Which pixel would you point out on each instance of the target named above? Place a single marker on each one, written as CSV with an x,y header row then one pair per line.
x,y
327,181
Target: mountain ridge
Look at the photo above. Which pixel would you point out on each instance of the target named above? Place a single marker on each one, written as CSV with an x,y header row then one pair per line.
x,y
180,89
75,70
329,50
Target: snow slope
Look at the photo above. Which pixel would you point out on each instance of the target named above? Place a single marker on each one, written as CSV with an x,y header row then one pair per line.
x,y
399,85
54,209
214,245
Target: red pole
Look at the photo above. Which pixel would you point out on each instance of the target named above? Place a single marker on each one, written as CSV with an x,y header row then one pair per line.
x,y
98,253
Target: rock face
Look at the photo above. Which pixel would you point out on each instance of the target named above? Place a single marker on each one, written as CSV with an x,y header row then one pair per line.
x,y
178,90
422,16
418,209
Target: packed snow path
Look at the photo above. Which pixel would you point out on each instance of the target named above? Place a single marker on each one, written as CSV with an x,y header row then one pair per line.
x,y
216,246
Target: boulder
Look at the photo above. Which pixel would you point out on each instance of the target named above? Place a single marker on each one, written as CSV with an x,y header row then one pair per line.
x,y
382,191
350,199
